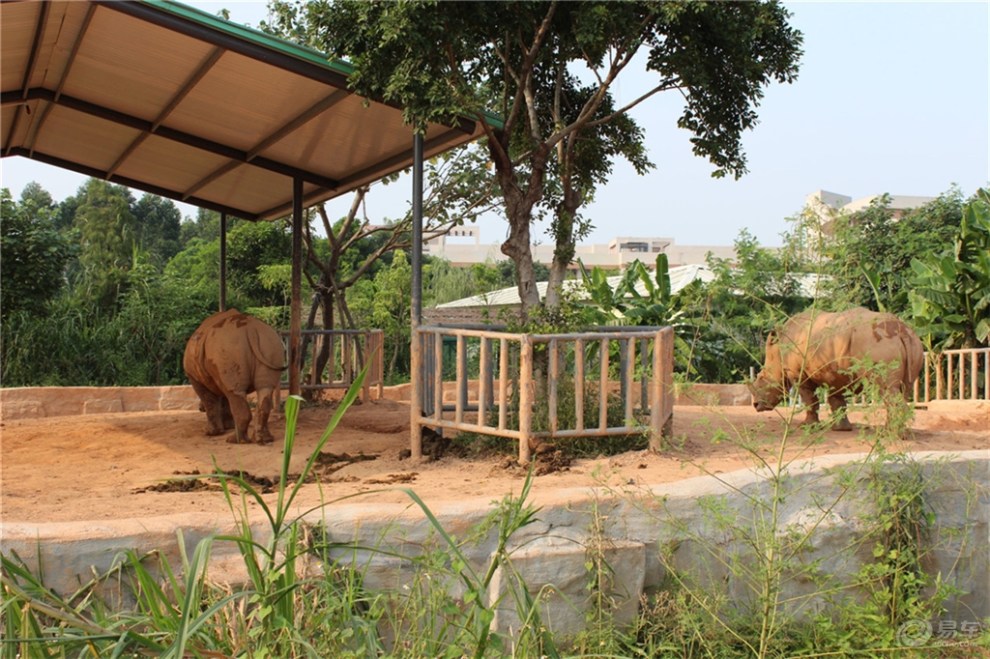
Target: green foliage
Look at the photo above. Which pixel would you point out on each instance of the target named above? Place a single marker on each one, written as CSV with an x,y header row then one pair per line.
x,y
639,298
159,225
950,291
732,314
251,246
385,303
33,253
73,345
108,245
524,60
869,253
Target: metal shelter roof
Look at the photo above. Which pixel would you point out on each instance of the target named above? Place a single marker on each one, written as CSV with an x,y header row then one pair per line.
x,y
171,100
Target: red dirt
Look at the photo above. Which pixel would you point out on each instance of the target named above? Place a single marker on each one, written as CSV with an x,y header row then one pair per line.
x,y
115,466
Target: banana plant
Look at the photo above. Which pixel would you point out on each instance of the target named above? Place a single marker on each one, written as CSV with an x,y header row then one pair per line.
x,y
639,298
950,296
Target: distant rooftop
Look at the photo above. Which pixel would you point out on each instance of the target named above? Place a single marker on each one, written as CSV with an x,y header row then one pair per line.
x,y
680,277
844,203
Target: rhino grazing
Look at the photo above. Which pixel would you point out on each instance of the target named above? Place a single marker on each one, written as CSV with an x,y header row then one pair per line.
x,y
837,351
229,356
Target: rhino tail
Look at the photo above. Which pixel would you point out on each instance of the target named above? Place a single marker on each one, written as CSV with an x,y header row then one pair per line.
x,y
255,342
914,359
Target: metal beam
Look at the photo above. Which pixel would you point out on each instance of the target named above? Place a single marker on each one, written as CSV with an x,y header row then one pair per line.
x,y
416,307
130,182
28,72
172,134
187,87
295,312
303,118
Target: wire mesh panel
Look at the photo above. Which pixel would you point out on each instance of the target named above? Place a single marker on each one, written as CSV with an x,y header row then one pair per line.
x,y
531,387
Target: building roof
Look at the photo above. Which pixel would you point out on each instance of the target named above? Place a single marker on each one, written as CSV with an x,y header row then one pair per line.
x,y
680,277
171,100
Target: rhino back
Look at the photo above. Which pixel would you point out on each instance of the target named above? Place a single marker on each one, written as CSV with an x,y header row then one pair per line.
x,y
815,348
823,348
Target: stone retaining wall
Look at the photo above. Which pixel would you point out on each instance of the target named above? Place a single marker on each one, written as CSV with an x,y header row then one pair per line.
x,y
39,402
635,526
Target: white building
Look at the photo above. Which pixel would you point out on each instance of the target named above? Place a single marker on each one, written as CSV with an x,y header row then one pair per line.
x,y
830,204
463,246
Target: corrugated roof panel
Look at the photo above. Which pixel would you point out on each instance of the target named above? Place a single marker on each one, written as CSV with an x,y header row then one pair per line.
x,y
82,138
240,104
157,159
249,188
322,146
106,70
110,71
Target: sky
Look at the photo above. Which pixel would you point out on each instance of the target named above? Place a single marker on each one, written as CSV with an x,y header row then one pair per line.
x,y
891,97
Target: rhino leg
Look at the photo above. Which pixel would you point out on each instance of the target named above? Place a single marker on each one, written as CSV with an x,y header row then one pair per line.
x,y
810,400
214,405
242,417
262,434
838,404
228,418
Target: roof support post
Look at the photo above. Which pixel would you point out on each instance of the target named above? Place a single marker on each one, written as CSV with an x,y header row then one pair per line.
x,y
416,312
295,316
223,261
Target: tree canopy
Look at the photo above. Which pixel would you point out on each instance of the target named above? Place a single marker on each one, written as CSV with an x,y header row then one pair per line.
x,y
546,68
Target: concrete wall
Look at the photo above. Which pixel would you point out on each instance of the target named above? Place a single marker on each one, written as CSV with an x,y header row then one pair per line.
x,y
38,402
551,553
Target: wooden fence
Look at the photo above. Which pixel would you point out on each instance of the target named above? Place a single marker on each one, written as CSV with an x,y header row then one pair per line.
x,y
954,375
332,359
949,375
529,387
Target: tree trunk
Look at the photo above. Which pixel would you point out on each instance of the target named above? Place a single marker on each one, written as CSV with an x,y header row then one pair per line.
x,y
563,253
324,356
519,205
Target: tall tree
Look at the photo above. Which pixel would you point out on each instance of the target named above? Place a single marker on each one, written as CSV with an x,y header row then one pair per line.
x,y
438,60
158,223
107,241
33,253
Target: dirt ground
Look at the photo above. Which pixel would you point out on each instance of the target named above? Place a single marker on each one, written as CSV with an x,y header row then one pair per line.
x,y
116,466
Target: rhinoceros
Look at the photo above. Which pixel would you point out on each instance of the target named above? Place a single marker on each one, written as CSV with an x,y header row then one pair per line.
x,y
837,351
229,356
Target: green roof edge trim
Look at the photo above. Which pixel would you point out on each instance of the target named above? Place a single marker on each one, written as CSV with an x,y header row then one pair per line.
x,y
278,44
251,34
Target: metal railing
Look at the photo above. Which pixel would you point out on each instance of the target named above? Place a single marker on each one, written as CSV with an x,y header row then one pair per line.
x,y
529,387
332,359
954,375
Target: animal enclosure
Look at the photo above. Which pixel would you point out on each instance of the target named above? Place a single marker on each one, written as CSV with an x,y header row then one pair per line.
x,y
531,387
332,359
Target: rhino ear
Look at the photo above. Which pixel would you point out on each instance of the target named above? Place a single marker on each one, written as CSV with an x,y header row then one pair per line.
x,y
772,338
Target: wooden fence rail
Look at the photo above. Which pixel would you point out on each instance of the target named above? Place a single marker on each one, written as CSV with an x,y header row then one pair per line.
x,y
954,375
529,387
